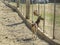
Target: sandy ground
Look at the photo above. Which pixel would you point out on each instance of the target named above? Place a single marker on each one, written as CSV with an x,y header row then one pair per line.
x,y
13,30
48,11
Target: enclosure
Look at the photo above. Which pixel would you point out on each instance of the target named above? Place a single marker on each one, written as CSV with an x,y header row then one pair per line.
x,y
48,9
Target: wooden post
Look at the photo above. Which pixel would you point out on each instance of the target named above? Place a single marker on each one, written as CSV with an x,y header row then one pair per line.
x,y
27,9
18,2
3,0
54,19
44,19
9,1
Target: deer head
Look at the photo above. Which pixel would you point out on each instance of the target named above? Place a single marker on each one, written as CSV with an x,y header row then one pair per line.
x,y
35,13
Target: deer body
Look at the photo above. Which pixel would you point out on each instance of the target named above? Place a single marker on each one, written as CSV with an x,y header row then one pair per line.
x,y
39,17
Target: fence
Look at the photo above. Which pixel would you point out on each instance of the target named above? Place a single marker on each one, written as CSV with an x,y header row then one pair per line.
x,y
49,11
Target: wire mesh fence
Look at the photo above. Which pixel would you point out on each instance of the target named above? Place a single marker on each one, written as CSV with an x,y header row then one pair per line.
x,y
47,10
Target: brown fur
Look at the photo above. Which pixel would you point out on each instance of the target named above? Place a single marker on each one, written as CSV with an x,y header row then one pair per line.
x,y
35,13
39,18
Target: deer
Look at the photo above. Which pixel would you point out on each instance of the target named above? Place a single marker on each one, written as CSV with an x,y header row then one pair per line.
x,y
36,23
38,19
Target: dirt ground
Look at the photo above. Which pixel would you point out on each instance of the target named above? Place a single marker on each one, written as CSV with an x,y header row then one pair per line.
x,y
13,30
49,16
